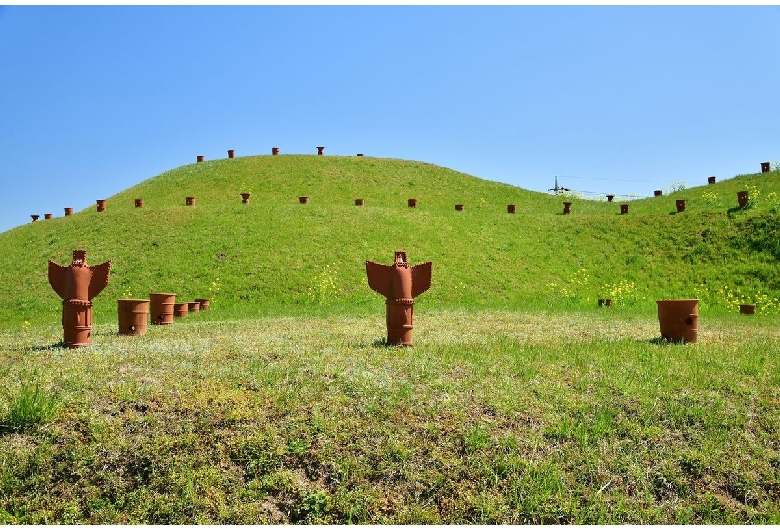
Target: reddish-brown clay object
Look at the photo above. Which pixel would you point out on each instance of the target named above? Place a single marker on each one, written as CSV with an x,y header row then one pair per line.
x,y
139,203
274,150
189,201
742,198
68,211
623,209
320,150
200,158
412,203
77,284
610,197
605,302
231,153
680,204
399,284
710,180
180,309
132,316
162,307
459,207
566,207
47,216
204,303
679,319
303,200
193,307
359,202
245,198
101,205
764,167
747,309
34,218
511,208
658,193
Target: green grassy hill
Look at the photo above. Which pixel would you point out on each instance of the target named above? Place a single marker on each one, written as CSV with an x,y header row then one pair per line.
x,y
276,256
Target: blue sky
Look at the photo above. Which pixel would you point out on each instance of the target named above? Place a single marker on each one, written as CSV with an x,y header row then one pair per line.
x,y
613,99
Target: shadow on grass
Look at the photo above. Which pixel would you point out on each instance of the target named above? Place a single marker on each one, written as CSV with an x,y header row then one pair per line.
x,y
56,345
382,343
731,212
660,341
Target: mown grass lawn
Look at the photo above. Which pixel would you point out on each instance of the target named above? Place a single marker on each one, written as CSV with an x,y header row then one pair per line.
x,y
534,416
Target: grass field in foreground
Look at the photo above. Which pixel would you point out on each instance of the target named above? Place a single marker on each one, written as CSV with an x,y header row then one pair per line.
x,y
549,416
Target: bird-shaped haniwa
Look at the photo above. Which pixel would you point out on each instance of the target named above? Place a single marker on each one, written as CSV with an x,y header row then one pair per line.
x,y
399,283
77,285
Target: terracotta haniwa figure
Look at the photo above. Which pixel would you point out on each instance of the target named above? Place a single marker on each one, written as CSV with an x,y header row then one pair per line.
x,y
400,284
77,285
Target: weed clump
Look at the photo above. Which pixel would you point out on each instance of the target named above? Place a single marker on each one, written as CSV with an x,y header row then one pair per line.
x,y
29,405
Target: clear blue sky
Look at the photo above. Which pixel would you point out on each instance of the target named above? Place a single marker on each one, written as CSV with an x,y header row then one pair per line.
x,y
614,99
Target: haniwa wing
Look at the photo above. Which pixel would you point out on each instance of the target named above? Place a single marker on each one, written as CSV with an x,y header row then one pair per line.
x,y
58,278
100,274
379,277
421,278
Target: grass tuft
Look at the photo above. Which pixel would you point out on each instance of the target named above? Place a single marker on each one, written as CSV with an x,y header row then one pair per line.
x,y
27,406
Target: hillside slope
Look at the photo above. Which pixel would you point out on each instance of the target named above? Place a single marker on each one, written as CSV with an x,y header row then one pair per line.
x,y
275,255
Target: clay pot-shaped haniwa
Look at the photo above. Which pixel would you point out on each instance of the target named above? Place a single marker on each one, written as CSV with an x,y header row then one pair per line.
x,y
764,167
231,153
101,205
200,158
161,307
189,201
303,199
680,203
459,207
566,207
623,209
742,198
245,198
139,203
320,150
747,309
679,319
133,315
193,307
511,208
47,216
610,197
68,211
34,218
77,323
710,180
412,203
274,150
359,202
658,193
204,303
180,309
359,154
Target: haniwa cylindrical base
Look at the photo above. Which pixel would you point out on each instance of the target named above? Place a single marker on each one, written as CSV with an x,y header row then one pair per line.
x,y
400,322
77,323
